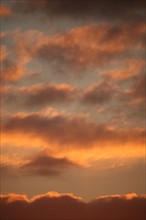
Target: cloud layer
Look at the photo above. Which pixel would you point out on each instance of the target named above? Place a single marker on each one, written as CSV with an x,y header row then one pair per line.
x,y
69,131
73,99
67,206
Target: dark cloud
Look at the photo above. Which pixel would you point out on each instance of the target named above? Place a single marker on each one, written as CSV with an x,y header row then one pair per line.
x,y
69,131
46,166
99,94
40,165
66,206
95,9
40,95
129,33
46,94
62,57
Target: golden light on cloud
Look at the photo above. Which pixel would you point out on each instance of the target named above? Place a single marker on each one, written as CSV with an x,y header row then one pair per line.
x,y
85,156
55,195
129,196
13,198
132,68
72,109
20,140
88,157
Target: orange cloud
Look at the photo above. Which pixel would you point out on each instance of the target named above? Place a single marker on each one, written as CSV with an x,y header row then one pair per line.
x,y
13,67
10,198
106,42
71,50
129,196
11,70
133,68
54,195
54,129
66,136
5,10
67,206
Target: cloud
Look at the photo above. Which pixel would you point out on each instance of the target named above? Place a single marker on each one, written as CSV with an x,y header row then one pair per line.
x,y
101,9
39,95
99,94
5,11
128,70
71,50
69,132
136,93
44,94
67,206
3,52
14,57
45,165
41,164
134,98
11,70
10,198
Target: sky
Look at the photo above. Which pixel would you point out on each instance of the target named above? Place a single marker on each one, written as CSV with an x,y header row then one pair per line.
x,y
73,109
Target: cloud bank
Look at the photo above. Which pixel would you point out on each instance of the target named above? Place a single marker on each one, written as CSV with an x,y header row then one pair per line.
x,y
67,206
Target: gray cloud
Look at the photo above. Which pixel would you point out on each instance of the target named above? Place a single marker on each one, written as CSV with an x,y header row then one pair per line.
x,y
46,166
49,94
40,95
136,94
99,93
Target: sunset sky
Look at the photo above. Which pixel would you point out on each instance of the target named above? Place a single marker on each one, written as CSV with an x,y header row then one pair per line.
x,y
73,106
